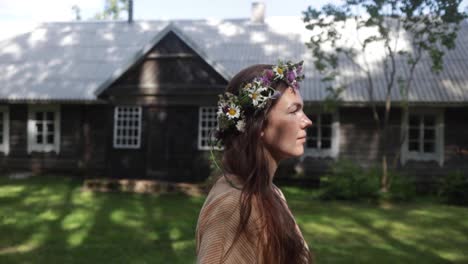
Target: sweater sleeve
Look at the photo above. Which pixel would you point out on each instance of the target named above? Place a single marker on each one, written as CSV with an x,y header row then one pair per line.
x,y
216,229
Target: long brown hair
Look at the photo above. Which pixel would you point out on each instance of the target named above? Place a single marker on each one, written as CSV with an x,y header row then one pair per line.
x,y
245,156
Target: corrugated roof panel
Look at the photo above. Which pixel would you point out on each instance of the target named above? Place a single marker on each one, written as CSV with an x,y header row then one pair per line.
x,y
87,54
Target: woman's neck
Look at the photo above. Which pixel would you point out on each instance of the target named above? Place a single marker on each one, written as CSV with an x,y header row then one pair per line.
x,y
272,164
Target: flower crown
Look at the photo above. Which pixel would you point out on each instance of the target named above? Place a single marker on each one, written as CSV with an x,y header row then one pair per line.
x,y
253,97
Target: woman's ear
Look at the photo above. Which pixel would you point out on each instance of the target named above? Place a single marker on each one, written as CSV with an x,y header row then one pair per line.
x,y
262,133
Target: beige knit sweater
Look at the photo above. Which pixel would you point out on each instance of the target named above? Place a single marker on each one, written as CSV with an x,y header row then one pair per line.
x,y
217,225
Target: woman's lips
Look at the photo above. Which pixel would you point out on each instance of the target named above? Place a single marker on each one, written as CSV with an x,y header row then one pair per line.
x,y
303,139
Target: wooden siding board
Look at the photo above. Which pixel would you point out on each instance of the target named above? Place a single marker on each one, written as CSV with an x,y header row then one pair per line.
x,y
69,160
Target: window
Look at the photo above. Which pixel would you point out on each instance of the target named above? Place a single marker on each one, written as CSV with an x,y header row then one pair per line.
x,y
322,136
44,128
207,124
423,131
421,135
127,127
4,130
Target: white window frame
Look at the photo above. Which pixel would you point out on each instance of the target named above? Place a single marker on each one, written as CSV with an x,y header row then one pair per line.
x,y
438,154
202,129
44,147
116,127
334,150
5,145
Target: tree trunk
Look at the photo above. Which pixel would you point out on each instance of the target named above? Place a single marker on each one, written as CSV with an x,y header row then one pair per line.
x,y
384,179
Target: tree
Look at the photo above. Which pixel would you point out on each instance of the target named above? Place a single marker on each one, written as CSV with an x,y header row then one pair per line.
x,y
429,26
77,12
112,10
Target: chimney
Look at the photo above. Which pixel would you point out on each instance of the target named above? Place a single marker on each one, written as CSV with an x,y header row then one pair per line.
x,y
130,11
258,12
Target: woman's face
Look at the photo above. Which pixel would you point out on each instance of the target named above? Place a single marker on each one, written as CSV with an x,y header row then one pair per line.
x,y
285,133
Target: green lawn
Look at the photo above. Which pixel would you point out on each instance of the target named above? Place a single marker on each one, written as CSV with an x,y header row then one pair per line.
x,y
49,220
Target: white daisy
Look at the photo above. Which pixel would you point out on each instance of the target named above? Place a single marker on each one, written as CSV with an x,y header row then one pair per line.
x,y
240,125
256,95
233,111
279,73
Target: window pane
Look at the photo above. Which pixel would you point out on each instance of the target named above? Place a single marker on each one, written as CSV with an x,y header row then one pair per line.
x,y
313,118
429,120
312,131
326,119
326,143
414,121
39,127
413,134
50,127
127,126
429,147
39,139
326,131
429,134
50,139
39,116
413,146
311,143
50,116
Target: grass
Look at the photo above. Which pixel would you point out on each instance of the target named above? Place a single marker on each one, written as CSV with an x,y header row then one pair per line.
x,y
50,220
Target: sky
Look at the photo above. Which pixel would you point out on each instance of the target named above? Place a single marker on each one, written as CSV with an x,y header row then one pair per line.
x,y
18,16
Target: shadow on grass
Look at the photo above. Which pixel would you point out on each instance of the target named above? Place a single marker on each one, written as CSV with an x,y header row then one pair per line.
x,y
50,220
341,232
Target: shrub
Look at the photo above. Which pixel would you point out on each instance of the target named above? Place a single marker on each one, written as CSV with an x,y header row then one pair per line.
x,y
401,187
347,181
454,188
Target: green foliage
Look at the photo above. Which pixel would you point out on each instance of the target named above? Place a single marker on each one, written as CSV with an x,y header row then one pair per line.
x,y
402,188
430,28
348,181
429,25
454,188
112,10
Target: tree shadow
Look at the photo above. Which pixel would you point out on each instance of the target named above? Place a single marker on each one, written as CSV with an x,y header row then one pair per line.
x,y
58,223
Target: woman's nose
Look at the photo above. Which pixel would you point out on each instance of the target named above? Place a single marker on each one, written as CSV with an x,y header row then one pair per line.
x,y
306,121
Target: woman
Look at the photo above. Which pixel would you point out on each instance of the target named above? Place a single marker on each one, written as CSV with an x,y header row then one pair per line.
x,y
245,218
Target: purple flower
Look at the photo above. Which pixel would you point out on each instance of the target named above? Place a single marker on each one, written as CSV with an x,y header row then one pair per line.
x,y
291,76
265,80
269,74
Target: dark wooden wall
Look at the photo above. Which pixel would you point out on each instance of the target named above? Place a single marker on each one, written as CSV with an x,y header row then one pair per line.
x,y
359,142
170,83
81,142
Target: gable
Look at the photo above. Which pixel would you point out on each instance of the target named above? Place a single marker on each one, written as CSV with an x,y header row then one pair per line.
x,y
170,67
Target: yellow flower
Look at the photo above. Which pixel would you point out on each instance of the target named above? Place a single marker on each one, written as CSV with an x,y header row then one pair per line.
x,y
232,111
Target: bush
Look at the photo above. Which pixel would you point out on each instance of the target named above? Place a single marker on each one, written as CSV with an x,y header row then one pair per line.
x,y
454,188
348,181
401,189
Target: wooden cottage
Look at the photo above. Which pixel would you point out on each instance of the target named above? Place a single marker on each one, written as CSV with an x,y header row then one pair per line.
x,y
138,100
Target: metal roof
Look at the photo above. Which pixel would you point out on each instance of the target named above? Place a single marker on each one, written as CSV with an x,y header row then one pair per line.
x,y
76,60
